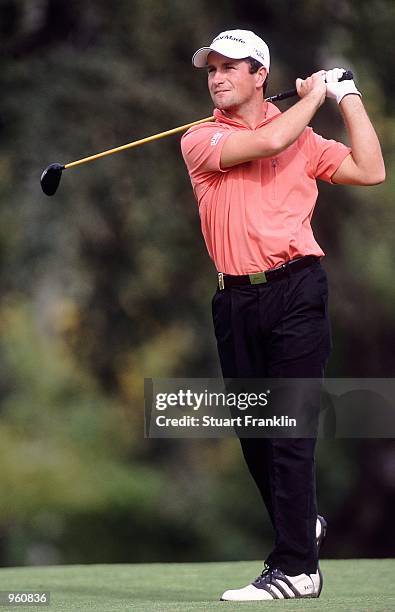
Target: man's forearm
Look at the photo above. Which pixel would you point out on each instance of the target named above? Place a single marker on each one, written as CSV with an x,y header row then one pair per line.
x,y
285,129
366,150
272,138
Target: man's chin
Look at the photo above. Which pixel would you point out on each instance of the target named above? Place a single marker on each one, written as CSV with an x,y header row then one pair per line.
x,y
222,102
223,105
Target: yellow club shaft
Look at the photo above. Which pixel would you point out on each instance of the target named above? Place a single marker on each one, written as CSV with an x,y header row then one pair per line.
x,y
136,143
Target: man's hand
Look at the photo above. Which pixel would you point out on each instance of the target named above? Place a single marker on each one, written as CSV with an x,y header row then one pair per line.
x,y
314,85
336,89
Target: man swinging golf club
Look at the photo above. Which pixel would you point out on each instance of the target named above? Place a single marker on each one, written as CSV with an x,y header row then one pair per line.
x,y
254,173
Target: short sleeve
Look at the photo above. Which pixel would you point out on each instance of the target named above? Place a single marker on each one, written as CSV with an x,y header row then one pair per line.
x,y
325,156
201,148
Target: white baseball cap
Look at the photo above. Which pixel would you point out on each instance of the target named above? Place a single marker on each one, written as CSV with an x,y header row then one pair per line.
x,y
236,44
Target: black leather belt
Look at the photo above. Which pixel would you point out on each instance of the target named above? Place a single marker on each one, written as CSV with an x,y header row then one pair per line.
x,y
229,280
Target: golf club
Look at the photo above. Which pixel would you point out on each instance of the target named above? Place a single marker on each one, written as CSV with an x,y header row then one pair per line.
x,y
51,176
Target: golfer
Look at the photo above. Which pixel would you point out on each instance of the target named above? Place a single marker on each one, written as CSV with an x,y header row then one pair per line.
x,y
254,174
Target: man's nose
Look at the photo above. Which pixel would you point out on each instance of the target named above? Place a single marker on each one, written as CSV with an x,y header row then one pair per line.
x,y
218,77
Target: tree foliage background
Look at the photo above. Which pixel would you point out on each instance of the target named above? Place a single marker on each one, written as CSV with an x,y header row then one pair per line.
x,y
108,282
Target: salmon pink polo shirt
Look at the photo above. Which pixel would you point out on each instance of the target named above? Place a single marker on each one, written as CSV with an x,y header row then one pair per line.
x,y
256,215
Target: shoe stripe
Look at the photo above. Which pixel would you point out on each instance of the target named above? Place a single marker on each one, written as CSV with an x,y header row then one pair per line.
x,y
270,591
281,589
280,586
286,591
277,591
289,585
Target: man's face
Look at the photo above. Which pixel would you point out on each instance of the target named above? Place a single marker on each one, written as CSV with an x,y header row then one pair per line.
x,y
230,82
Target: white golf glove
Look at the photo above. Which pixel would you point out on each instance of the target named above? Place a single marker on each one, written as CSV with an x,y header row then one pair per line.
x,y
336,89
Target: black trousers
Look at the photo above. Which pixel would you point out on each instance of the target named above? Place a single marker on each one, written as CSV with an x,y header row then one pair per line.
x,y
279,330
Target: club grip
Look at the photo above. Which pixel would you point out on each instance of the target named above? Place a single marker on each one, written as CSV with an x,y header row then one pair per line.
x,y
346,76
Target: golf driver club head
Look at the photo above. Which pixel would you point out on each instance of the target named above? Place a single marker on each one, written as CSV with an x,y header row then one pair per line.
x,y
50,178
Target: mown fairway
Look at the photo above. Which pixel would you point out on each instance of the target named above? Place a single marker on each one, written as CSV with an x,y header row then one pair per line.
x,y
352,585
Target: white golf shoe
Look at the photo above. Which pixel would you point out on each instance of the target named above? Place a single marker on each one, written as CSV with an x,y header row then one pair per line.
x,y
274,584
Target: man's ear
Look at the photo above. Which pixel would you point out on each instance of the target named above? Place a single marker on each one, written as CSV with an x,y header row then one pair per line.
x,y
261,77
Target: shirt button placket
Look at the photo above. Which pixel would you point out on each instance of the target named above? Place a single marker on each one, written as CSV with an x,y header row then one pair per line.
x,y
274,178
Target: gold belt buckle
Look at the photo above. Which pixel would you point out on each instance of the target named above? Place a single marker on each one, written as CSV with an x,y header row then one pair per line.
x,y
221,284
257,278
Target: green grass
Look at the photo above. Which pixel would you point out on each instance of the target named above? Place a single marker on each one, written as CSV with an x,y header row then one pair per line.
x,y
352,585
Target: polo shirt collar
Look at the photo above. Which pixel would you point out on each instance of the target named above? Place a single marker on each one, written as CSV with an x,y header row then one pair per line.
x,y
272,111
